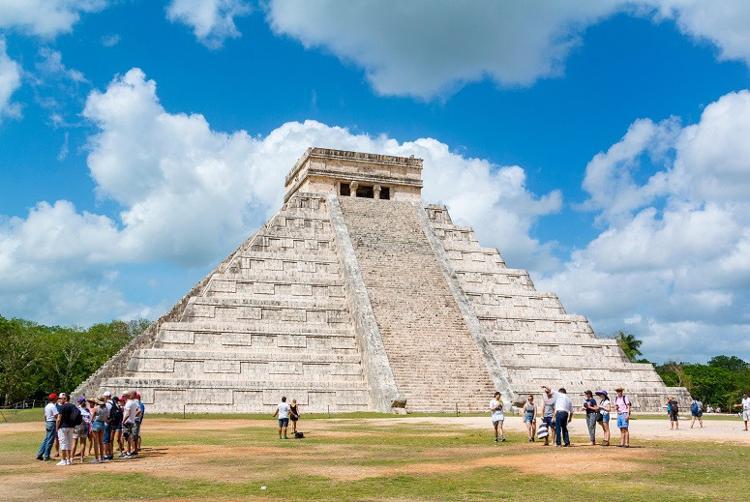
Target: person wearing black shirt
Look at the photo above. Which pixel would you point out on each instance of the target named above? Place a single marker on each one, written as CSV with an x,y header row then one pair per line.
x,y
65,427
590,407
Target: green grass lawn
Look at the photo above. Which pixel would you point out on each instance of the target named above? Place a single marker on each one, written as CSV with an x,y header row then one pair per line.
x,y
354,459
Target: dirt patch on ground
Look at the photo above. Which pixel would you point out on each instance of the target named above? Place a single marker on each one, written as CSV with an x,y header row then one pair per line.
x,y
556,463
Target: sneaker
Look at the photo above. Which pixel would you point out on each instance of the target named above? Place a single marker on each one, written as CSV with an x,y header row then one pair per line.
x,y
95,461
502,438
497,440
123,454
62,462
39,457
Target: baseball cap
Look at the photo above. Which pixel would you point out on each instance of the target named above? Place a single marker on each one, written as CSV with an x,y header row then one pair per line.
x,y
137,396
63,395
52,396
107,393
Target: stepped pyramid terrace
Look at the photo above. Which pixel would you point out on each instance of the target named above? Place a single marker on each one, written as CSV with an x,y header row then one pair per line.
x,y
359,296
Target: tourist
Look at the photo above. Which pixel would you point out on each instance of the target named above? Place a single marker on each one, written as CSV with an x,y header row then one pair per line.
x,y
548,414
696,411
115,427
81,432
563,416
50,428
294,415
591,408
99,417
107,433
745,405
282,411
529,417
129,415
90,404
623,406
67,420
138,422
673,409
603,408
497,416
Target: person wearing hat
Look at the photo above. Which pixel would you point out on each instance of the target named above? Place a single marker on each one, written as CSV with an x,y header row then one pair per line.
x,y
623,405
106,397
99,419
604,407
50,419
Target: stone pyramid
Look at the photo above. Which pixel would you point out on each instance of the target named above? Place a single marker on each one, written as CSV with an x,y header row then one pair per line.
x,y
357,296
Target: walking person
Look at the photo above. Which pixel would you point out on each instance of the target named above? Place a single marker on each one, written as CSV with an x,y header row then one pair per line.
x,y
563,416
99,417
497,416
294,416
591,407
50,428
81,432
696,411
745,405
529,417
603,408
673,409
282,411
548,414
623,406
68,418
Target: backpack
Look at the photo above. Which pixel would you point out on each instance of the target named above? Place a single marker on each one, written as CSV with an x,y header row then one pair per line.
x,y
674,407
75,416
299,435
694,408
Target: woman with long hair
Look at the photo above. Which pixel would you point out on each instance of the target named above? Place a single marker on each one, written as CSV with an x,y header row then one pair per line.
x,y
604,407
529,417
99,419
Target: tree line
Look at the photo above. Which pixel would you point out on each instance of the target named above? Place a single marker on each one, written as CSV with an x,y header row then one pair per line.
x,y
36,359
719,382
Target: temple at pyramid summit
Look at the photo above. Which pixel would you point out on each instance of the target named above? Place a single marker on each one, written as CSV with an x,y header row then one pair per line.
x,y
359,296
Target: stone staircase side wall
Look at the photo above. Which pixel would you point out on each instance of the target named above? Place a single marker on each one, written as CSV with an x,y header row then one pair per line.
x,y
498,374
384,393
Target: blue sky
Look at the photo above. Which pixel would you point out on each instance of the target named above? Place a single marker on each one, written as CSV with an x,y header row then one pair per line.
x,y
600,145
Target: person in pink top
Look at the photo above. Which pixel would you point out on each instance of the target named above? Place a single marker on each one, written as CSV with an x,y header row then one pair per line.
x,y
623,405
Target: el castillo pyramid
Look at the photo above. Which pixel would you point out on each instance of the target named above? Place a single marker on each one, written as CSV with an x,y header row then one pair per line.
x,y
359,296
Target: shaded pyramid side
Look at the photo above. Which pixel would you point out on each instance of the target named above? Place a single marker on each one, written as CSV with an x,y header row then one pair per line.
x,y
532,336
271,320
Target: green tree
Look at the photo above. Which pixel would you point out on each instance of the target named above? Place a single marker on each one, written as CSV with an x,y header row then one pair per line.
x,y
730,363
629,344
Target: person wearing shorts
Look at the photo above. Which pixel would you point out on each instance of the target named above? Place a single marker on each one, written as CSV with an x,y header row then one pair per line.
x,y
673,412
65,427
81,431
282,412
497,416
294,415
745,405
548,414
623,405
529,417
129,415
696,411
604,407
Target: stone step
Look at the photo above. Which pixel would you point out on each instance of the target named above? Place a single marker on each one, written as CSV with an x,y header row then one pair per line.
x,y
251,354
260,328
307,303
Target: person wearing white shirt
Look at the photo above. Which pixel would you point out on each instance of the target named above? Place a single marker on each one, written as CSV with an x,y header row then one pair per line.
x,y
563,416
497,416
745,405
50,420
282,411
129,414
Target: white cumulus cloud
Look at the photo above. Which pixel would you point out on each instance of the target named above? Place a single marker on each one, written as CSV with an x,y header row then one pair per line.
x,y
212,21
189,194
46,18
675,250
10,80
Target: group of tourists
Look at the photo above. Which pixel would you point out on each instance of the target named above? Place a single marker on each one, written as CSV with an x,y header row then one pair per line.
x,y
557,412
95,423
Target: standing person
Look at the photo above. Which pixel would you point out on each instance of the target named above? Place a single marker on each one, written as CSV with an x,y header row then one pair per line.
x,y
108,432
548,413
115,426
294,415
591,408
68,418
563,416
604,407
129,414
282,411
81,432
497,416
696,411
673,409
529,417
99,417
50,428
624,406
138,422
745,405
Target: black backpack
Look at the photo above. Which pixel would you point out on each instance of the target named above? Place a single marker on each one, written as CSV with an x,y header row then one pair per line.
x,y
299,435
75,416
